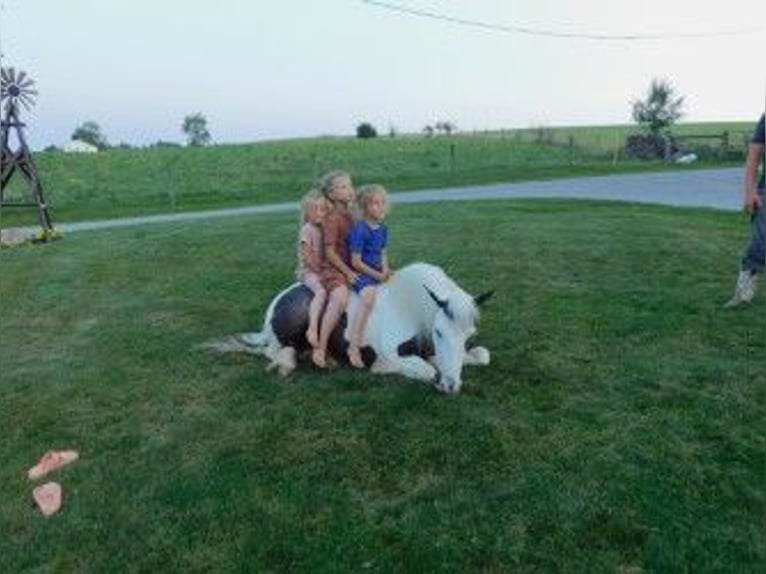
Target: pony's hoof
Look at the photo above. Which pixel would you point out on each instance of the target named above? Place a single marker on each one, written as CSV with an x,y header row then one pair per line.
x,y
479,356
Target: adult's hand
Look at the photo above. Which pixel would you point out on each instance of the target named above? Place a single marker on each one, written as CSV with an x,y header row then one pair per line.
x,y
752,201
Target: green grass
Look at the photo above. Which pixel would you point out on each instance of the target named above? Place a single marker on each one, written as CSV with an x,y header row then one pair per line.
x,y
120,183
619,428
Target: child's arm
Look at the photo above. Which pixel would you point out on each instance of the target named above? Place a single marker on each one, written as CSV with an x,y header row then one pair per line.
x,y
331,238
332,256
385,269
309,257
362,267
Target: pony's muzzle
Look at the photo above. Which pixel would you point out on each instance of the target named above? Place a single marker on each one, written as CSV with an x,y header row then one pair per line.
x,y
448,385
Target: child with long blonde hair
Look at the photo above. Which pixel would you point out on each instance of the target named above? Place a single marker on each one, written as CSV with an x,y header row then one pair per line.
x,y
310,257
337,275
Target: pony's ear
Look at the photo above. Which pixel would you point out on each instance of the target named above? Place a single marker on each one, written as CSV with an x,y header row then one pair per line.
x,y
442,303
483,298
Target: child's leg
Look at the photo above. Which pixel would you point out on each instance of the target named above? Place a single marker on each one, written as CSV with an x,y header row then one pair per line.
x,y
367,299
335,307
315,309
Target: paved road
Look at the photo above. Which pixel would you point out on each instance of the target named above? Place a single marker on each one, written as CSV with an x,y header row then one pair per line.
x,y
711,188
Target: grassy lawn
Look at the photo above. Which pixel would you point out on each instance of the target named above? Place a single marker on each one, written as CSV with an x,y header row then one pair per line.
x,y
120,183
619,429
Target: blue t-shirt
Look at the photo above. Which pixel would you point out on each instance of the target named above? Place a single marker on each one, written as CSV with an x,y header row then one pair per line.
x,y
758,138
368,242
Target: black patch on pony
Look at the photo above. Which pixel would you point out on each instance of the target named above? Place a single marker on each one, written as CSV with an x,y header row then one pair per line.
x,y
416,346
291,319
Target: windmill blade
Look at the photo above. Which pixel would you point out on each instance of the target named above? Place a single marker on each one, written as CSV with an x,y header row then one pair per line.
x,y
30,92
26,83
21,76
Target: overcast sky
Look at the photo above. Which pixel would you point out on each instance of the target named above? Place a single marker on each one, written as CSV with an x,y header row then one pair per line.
x,y
261,69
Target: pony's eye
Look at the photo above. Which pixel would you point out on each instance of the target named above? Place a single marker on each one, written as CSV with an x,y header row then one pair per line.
x,y
438,333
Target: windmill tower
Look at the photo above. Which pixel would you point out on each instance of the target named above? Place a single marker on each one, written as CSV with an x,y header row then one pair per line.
x,y
17,90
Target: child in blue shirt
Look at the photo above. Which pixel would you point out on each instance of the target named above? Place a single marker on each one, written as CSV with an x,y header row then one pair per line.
x,y
367,243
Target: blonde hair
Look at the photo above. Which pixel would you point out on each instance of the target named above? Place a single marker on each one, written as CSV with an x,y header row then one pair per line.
x,y
328,181
363,195
308,200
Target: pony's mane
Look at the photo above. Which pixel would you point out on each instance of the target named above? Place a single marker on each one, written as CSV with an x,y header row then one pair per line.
x,y
461,304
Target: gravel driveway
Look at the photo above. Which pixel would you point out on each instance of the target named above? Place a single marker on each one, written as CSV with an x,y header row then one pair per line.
x,y
711,188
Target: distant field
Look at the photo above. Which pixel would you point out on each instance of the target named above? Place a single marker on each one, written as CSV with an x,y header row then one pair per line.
x,y
142,181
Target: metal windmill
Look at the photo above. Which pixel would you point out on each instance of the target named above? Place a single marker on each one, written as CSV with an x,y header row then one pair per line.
x,y
17,90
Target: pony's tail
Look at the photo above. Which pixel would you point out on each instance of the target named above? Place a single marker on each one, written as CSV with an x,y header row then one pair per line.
x,y
282,359
253,343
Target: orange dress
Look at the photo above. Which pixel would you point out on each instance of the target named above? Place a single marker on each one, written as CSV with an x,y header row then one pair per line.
x,y
335,229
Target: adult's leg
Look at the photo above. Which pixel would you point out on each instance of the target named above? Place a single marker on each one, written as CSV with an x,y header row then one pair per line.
x,y
753,258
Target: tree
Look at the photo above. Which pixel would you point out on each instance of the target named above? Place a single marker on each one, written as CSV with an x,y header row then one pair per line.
x,y
660,109
366,130
90,132
195,130
446,127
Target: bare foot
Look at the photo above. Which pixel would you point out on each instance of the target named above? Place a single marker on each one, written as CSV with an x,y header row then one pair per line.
x,y
48,497
355,358
50,461
312,338
318,358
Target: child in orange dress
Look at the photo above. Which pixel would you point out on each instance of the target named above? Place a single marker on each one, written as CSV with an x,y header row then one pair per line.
x,y
337,274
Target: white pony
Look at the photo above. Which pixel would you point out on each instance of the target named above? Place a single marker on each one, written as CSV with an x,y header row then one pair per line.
x,y
418,328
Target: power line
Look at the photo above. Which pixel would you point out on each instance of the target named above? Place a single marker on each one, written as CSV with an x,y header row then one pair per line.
x,y
548,33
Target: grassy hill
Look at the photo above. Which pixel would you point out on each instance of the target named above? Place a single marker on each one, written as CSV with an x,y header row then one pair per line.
x,y
123,182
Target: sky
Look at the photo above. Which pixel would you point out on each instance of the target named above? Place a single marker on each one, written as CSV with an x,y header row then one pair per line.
x,y
260,70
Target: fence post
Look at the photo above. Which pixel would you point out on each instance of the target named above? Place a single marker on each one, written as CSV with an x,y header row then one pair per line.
x,y
571,149
452,156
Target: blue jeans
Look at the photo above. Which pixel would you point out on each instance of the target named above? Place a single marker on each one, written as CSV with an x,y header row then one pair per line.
x,y
755,256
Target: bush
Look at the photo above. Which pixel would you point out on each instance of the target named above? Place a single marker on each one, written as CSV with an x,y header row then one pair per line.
x,y
650,146
366,130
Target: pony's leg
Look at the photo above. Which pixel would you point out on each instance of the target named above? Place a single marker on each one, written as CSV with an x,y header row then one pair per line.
x,y
411,366
284,360
473,356
476,356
